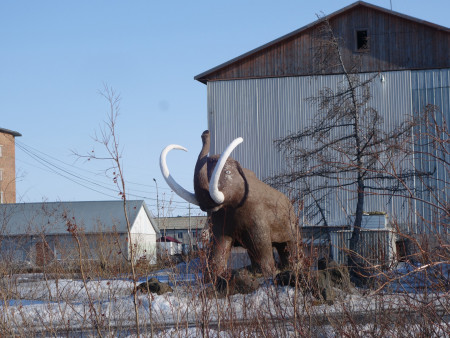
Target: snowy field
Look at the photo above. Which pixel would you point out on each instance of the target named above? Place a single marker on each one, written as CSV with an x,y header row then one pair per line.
x,y
61,307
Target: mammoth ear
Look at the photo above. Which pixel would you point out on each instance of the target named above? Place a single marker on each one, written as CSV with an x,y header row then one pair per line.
x,y
214,191
178,189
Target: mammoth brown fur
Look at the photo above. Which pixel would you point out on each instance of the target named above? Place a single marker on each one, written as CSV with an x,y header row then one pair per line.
x,y
243,210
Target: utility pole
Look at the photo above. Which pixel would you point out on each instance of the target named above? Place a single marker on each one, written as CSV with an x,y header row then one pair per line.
x,y
190,233
157,205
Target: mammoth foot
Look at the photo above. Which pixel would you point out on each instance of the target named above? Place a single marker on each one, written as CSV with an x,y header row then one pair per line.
x,y
154,286
240,282
329,282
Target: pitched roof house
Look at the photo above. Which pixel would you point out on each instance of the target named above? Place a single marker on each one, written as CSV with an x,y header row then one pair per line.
x,y
40,232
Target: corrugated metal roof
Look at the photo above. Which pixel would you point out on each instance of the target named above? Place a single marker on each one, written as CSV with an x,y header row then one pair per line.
x,y
90,216
169,223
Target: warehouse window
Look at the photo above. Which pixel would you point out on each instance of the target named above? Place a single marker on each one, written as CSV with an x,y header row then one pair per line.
x,y
180,235
362,40
1,197
1,174
1,150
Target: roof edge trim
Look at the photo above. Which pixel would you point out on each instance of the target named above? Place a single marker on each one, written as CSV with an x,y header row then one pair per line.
x,y
11,132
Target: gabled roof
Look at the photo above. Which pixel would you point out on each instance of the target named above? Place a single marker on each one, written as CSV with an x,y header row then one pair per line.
x,y
203,77
11,132
51,218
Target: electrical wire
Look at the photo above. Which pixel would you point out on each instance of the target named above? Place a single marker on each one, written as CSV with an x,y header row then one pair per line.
x,y
43,159
34,150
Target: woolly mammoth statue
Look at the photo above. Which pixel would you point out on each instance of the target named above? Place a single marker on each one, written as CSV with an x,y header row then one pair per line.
x,y
243,210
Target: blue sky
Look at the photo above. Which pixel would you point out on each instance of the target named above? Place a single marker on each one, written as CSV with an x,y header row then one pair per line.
x,y
56,55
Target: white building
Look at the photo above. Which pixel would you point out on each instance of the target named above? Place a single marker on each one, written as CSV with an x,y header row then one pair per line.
x,y
39,233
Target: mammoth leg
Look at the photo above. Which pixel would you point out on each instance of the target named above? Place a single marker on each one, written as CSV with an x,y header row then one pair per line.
x,y
283,253
265,259
260,252
221,243
220,251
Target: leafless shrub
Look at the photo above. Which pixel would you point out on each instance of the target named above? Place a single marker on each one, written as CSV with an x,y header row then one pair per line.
x,y
77,294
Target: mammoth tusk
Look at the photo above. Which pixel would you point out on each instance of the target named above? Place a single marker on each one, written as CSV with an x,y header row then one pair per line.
x,y
214,191
178,189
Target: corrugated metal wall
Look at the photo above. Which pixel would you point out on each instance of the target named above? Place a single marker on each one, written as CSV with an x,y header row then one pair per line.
x,y
432,87
262,110
376,246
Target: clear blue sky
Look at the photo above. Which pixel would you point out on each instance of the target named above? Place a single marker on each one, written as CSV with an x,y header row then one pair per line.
x,y
56,55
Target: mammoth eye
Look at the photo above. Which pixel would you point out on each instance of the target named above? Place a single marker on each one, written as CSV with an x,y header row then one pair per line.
x,y
227,172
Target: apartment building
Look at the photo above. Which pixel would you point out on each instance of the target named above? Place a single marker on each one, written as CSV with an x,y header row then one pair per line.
x,y
8,165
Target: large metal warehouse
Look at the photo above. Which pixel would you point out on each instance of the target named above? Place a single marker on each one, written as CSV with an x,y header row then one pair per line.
x,y
261,95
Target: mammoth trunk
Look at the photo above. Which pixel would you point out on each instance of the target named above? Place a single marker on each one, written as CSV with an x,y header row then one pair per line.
x,y
206,185
201,175
201,169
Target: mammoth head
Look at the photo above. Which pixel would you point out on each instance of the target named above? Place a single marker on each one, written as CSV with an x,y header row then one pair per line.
x,y
208,176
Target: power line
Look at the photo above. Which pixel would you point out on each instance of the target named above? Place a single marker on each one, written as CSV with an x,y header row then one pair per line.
x,y
83,180
49,167
34,150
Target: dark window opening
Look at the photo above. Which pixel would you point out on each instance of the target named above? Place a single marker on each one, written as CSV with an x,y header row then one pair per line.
x,y
362,40
180,235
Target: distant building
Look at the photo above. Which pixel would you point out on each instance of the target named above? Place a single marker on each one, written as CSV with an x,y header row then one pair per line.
x,y
8,165
186,230
167,245
40,233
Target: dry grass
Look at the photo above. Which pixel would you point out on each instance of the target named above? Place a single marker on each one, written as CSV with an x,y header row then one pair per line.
x,y
195,309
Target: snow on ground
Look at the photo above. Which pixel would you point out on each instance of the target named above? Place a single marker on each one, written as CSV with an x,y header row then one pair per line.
x,y
34,303
413,277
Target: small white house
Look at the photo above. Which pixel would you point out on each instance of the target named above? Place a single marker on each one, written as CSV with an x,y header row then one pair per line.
x,y
38,233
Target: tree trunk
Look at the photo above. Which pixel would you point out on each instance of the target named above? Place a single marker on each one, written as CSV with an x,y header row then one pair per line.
x,y
355,261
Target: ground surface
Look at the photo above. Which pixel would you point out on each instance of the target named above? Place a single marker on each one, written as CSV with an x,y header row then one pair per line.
x,y
33,304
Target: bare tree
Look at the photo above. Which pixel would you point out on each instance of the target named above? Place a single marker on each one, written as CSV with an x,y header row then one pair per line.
x,y
345,146
113,154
